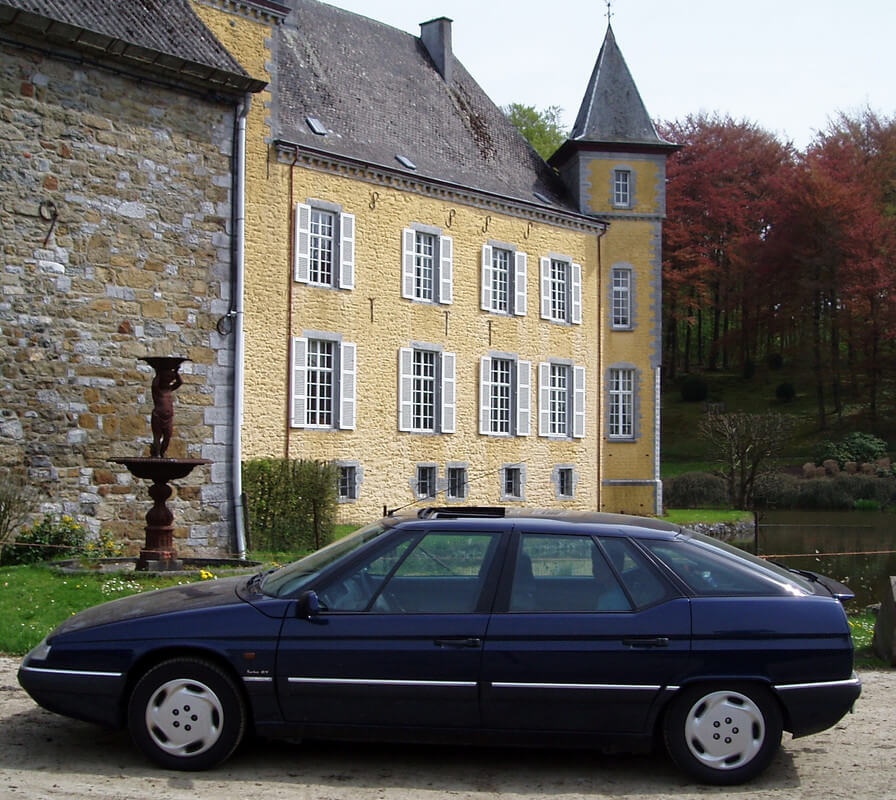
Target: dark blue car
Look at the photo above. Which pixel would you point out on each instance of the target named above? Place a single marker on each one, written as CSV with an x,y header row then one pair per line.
x,y
472,625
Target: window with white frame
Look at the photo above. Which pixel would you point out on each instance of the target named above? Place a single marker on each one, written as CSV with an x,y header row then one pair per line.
x,y
621,298
504,395
503,280
561,400
324,246
427,478
622,188
456,480
512,482
621,403
426,390
322,382
561,290
427,265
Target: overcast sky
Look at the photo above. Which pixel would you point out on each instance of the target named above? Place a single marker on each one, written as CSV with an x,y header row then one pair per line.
x,y
788,65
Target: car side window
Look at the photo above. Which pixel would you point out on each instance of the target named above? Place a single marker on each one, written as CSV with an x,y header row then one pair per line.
x,y
637,574
564,573
707,572
439,573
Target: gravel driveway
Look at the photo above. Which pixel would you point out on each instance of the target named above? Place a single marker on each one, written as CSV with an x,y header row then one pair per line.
x,y
46,756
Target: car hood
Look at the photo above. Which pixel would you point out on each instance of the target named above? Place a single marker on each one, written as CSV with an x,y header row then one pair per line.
x,y
191,596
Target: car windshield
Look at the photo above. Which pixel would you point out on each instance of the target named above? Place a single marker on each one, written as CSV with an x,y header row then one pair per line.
x,y
777,570
289,579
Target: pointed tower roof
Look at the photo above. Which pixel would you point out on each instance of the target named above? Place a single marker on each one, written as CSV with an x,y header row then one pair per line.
x,y
612,111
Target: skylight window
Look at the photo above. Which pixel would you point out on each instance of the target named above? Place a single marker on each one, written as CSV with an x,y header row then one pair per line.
x,y
316,126
406,162
541,197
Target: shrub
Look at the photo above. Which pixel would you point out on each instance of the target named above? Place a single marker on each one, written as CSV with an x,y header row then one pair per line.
x,y
866,505
776,490
103,546
863,448
694,389
785,392
291,504
48,540
695,490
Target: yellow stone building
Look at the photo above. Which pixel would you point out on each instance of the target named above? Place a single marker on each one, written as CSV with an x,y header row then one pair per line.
x,y
425,301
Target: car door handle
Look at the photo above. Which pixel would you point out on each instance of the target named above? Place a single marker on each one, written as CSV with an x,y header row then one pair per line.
x,y
471,642
652,641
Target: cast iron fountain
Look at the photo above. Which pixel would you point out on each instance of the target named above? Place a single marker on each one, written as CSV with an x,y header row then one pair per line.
x,y
159,553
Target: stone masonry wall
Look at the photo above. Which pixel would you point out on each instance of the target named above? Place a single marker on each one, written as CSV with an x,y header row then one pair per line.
x,y
137,263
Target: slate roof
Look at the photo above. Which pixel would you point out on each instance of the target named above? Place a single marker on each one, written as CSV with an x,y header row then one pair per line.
x,y
612,111
377,91
164,37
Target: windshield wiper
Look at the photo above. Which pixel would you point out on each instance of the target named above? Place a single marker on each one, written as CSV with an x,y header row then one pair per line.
x,y
254,583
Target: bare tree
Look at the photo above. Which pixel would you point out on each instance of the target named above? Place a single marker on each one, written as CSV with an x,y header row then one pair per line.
x,y
745,444
16,503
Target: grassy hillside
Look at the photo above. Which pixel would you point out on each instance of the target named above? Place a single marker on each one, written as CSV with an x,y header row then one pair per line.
x,y
684,450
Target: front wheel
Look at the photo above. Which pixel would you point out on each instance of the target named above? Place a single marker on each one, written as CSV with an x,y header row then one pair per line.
x,y
186,714
723,735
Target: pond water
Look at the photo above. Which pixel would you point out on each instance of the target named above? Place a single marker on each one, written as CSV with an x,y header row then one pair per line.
x,y
857,548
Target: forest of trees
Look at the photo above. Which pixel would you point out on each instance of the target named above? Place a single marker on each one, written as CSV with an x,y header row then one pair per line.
x,y
782,257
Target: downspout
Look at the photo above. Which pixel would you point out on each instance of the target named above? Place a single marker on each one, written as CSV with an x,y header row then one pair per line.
x,y
236,312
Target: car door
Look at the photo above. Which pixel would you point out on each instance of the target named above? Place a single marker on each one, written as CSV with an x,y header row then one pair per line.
x,y
585,637
398,640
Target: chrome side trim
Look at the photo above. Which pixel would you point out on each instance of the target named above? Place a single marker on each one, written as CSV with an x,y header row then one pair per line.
x,y
854,681
256,679
380,682
79,673
597,686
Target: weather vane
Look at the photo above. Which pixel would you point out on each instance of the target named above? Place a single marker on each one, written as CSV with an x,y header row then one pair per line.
x,y
609,12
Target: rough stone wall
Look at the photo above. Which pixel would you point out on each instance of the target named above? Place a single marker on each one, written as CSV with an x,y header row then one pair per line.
x,y
137,263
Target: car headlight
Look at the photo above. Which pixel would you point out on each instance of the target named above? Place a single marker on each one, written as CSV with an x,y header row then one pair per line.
x,y
39,653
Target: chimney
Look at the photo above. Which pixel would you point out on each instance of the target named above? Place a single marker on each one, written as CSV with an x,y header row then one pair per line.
x,y
436,36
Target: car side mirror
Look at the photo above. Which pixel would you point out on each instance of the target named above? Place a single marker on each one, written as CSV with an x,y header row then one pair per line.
x,y
308,605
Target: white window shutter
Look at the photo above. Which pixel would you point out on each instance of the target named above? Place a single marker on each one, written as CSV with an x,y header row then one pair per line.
x,y
347,251
545,288
520,291
576,291
485,395
405,388
544,398
485,302
348,385
578,407
446,270
523,398
298,388
449,393
302,245
408,240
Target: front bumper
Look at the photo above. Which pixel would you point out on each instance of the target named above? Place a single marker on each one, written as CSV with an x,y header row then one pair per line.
x,y
89,695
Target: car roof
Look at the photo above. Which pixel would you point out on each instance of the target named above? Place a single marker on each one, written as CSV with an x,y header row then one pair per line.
x,y
544,520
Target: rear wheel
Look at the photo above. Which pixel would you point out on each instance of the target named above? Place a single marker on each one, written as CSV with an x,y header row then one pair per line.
x,y
186,714
723,734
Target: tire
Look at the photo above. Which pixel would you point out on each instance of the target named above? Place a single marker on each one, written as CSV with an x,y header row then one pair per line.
x,y
186,714
724,734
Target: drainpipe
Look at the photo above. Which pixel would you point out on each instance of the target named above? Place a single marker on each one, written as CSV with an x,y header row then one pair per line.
x,y
239,239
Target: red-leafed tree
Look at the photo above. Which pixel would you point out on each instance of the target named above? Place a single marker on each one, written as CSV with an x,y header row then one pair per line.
x,y
720,206
837,238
